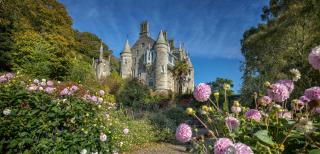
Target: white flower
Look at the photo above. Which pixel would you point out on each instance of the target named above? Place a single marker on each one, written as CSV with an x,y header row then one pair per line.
x,y
296,75
103,137
84,151
126,131
40,88
36,81
121,144
6,112
305,126
94,152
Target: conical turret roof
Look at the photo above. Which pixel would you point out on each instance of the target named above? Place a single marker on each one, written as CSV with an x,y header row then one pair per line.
x,y
126,48
161,38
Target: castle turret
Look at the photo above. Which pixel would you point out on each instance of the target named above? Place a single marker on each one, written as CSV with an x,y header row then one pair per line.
x,y
161,75
126,61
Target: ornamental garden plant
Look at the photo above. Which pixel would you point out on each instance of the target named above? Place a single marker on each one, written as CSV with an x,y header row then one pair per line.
x,y
277,123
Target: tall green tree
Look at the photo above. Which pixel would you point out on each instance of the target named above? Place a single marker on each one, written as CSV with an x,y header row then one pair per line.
x,y
291,28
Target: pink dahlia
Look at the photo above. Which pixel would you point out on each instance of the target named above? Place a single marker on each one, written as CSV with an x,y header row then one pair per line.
x,y
265,100
236,109
304,99
74,88
94,99
278,92
65,92
232,123
313,93
202,92
3,79
285,115
288,83
253,114
50,83
9,76
101,92
221,145
49,90
242,149
183,133
314,58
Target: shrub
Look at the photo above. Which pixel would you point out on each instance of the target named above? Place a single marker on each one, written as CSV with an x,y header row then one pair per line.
x,y
36,122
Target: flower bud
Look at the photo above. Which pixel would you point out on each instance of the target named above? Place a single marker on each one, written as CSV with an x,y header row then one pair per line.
x,y
189,111
236,103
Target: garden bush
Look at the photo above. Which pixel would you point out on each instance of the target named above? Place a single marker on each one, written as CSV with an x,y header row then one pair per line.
x,y
37,119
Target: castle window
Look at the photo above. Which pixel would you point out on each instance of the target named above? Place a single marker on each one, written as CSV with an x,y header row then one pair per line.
x,y
142,45
163,69
150,83
137,52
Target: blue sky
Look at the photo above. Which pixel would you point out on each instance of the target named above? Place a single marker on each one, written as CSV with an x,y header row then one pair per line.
x,y
210,29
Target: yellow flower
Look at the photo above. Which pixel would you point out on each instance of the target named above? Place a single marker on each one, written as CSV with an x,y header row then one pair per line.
x,y
189,111
236,103
226,86
281,147
267,84
210,109
205,108
216,94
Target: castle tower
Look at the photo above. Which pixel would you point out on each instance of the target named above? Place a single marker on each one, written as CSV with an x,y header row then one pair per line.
x,y
161,70
102,66
144,29
126,61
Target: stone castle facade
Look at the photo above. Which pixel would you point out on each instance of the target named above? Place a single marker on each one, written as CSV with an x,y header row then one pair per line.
x,y
101,66
152,62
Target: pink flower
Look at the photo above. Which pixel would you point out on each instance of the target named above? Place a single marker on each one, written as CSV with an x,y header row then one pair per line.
x,y
9,76
74,88
265,100
3,79
49,90
242,149
50,83
236,109
313,93
183,133
278,92
125,131
65,92
221,145
288,83
304,99
32,88
202,92
285,115
253,114
101,92
232,123
36,81
94,99
317,110
103,137
314,58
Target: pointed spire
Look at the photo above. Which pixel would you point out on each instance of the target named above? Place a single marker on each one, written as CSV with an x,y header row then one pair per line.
x,y
126,48
101,52
161,38
180,47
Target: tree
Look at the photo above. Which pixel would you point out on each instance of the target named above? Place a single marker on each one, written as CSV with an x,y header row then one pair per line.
x,y
283,42
180,72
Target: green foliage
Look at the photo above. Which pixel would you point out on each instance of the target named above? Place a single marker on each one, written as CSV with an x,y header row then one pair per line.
x,y
135,94
281,43
180,72
40,123
37,38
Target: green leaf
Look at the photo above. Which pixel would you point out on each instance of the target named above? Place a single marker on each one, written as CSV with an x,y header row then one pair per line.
x,y
314,151
264,137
